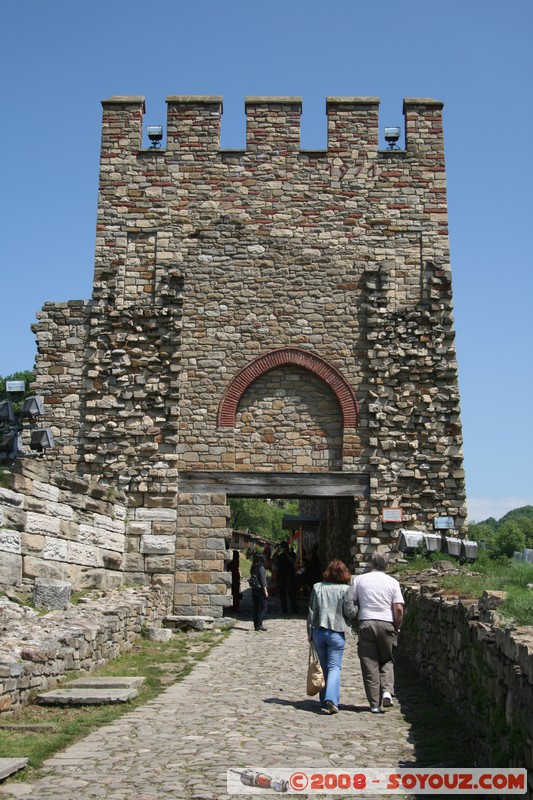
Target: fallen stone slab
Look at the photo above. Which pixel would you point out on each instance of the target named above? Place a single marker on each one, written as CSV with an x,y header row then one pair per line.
x,y
106,682
93,691
183,622
10,765
34,727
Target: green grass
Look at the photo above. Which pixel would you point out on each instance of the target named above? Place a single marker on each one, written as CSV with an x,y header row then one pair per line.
x,y
161,663
509,576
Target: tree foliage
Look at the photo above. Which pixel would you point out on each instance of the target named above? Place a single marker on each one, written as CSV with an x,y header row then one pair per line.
x,y
510,534
262,517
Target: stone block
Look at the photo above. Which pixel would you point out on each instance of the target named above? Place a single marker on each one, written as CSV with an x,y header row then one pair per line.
x,y
152,514
158,634
103,537
42,523
111,559
10,569
51,594
159,563
165,581
138,528
10,498
32,543
38,568
133,562
84,555
158,545
100,579
164,527
55,549
10,542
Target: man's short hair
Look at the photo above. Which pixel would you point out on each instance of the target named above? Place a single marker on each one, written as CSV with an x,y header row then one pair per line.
x,y
379,562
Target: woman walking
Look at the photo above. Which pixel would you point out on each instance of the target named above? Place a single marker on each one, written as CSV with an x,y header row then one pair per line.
x,y
331,611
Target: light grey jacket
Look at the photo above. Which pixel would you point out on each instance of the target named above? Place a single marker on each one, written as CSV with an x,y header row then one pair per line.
x,y
331,606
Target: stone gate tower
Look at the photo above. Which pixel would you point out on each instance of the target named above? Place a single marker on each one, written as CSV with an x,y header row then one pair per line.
x,y
267,322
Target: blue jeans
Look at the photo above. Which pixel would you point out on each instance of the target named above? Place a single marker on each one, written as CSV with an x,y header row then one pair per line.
x,y
329,646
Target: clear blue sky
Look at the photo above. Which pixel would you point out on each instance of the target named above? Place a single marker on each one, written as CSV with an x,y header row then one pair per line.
x,y
60,58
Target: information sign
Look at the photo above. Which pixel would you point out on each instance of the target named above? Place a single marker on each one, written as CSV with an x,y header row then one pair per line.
x,y
391,515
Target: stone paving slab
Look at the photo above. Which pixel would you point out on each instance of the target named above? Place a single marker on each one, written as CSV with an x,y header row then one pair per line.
x,y
93,691
243,706
10,765
107,682
84,697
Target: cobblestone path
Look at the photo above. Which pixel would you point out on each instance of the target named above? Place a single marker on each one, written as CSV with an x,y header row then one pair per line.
x,y
243,706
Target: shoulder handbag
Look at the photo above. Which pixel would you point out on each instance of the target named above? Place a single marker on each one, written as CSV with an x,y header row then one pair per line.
x,y
315,676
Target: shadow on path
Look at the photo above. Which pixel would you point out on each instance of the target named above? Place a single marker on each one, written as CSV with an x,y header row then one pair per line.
x,y
440,735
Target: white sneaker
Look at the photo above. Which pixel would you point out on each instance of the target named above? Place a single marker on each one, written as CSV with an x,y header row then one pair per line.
x,y
387,700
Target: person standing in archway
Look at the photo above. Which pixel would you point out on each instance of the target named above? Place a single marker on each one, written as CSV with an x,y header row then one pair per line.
x,y
233,567
286,578
381,605
258,584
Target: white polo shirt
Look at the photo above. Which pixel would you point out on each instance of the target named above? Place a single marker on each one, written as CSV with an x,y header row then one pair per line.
x,y
374,593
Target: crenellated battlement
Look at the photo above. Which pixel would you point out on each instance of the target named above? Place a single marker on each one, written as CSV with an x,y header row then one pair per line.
x,y
272,125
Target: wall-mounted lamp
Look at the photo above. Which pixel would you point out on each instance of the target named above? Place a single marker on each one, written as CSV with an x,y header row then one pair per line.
x,y
13,424
155,134
391,137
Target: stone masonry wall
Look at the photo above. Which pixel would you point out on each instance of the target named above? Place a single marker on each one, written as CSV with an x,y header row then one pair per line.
x,y
36,652
56,525
288,420
482,667
208,260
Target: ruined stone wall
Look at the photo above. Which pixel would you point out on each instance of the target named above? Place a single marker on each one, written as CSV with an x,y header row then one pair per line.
x,y
36,652
62,527
483,668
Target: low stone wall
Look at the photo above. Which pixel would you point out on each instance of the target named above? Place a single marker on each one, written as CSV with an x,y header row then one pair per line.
x,y
482,667
37,651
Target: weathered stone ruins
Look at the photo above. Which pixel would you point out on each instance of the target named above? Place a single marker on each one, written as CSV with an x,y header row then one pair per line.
x,y
269,322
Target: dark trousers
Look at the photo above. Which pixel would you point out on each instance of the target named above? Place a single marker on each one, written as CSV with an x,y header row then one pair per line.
x,y
376,644
287,589
260,607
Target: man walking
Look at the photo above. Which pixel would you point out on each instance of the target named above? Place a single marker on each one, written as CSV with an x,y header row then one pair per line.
x,y
381,607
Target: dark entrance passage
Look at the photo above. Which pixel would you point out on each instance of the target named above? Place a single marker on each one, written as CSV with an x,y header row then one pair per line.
x,y
203,514
329,496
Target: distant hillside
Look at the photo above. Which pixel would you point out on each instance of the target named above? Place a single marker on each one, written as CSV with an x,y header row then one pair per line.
x,y
518,513
510,534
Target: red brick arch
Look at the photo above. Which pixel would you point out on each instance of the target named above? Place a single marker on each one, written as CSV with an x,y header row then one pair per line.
x,y
283,357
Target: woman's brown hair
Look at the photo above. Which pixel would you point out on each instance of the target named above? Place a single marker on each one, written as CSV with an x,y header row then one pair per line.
x,y
337,572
